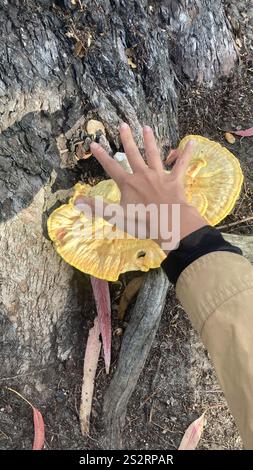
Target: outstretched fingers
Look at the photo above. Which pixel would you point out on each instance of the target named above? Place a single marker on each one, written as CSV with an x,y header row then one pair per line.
x,y
134,157
183,160
151,149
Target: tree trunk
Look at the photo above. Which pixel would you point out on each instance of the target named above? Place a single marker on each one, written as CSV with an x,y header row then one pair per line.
x,y
62,64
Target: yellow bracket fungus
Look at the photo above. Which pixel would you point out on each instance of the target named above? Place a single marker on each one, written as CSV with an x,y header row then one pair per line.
x,y
214,179
213,183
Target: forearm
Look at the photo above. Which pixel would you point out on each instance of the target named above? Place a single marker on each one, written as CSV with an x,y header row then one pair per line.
x,y
216,290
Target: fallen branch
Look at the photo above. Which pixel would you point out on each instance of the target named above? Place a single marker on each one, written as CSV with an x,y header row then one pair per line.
x,y
136,344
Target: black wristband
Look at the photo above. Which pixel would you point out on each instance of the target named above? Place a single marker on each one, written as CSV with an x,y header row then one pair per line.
x,y
199,243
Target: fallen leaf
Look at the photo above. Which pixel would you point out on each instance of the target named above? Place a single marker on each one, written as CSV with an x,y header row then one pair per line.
x,y
80,153
70,34
129,54
118,332
39,430
103,304
79,49
229,138
238,42
193,434
131,63
245,133
39,426
93,126
129,293
87,155
89,40
91,357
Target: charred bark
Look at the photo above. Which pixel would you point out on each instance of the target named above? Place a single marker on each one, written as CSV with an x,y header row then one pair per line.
x,y
62,64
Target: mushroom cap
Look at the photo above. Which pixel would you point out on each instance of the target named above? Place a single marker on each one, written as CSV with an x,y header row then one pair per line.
x,y
101,257
213,182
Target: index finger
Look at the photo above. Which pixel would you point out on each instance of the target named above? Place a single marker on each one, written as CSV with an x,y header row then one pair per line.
x,y
111,167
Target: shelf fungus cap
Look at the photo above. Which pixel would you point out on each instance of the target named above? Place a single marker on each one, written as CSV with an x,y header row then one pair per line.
x,y
102,256
213,180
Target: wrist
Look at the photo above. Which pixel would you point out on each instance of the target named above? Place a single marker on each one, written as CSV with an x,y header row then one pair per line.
x,y
199,243
190,220
184,220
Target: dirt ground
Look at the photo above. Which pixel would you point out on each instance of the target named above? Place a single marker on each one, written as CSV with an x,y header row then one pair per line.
x,y
178,382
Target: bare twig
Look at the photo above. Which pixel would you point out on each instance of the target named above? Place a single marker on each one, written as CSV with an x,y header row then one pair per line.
x,y
233,224
5,435
2,379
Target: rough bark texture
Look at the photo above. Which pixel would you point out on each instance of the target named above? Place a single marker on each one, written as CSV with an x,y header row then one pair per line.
x,y
48,92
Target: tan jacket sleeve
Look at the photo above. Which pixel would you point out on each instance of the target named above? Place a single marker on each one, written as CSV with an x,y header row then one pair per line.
x,y
216,291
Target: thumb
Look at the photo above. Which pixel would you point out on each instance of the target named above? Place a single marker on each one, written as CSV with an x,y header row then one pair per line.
x,y
91,206
183,160
97,207
173,155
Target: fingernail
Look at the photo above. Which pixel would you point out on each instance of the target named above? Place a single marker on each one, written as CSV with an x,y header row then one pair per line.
x,y
124,126
94,145
147,128
191,142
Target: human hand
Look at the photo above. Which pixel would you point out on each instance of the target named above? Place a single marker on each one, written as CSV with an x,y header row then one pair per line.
x,y
150,187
